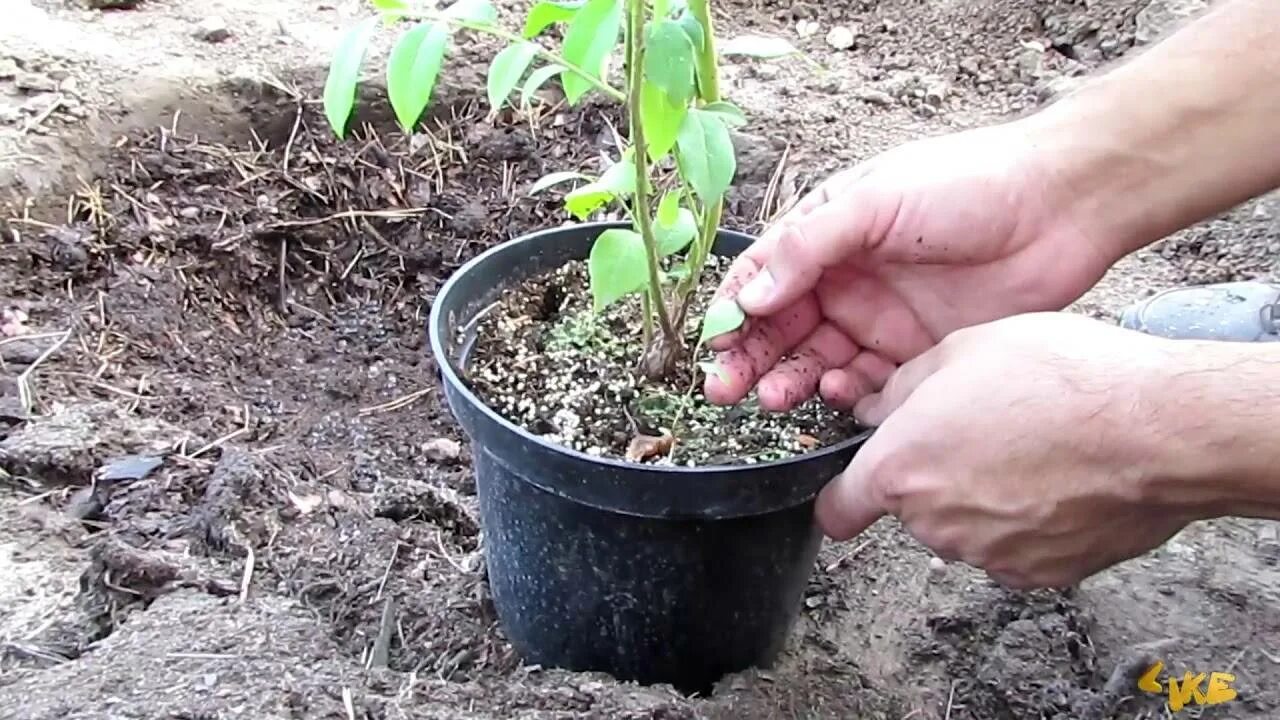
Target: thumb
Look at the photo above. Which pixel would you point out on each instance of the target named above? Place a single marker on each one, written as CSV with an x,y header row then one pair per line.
x,y
808,243
873,409
847,506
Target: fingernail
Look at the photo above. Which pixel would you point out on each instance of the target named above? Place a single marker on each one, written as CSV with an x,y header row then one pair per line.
x,y
758,291
864,411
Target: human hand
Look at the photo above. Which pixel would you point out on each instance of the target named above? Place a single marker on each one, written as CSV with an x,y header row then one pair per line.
x,y
881,261
1028,447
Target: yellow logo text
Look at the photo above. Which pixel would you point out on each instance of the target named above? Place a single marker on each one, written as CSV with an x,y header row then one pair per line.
x,y
1193,689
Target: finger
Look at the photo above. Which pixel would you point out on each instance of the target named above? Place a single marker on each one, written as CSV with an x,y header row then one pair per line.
x,y
875,408
795,379
741,270
763,345
747,265
847,506
865,374
873,314
807,245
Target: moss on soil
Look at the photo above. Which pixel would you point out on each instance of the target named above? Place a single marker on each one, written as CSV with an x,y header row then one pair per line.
x,y
545,361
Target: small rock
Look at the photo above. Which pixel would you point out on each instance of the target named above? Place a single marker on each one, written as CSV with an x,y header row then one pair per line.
x,y
34,82
442,449
807,28
17,351
1159,17
765,71
896,62
936,90
1030,63
212,29
874,96
8,69
840,38
937,565
189,213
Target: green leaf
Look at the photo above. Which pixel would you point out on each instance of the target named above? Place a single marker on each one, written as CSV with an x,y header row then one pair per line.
x,y
706,153
536,80
506,70
693,29
391,10
617,266
412,68
480,12
660,119
619,180
556,178
591,36
711,368
757,46
547,13
344,74
723,316
668,209
728,112
661,9
668,61
675,236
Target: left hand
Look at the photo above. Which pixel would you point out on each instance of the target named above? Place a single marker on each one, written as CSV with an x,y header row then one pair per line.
x,y
1027,447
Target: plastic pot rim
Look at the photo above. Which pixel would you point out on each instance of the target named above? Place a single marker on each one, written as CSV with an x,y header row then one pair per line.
x,y
453,376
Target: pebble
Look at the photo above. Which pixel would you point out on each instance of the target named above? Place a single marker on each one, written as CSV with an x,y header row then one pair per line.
x,y
442,449
807,28
874,96
212,29
34,82
936,90
841,37
190,213
937,565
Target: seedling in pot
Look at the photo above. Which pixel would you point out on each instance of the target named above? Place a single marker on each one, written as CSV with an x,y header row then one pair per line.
x,y
669,176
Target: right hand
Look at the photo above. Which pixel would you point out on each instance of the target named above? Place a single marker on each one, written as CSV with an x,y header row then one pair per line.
x,y
883,260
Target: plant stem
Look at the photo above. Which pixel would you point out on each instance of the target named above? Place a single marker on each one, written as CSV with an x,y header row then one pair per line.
x,y
509,36
647,318
708,92
708,70
640,151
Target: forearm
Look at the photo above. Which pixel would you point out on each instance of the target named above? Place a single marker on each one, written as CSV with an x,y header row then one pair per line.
x,y
1214,430
1188,129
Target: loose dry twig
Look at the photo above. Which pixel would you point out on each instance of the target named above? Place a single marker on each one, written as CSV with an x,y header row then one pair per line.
x,y
395,404
349,214
849,555
39,119
250,561
25,393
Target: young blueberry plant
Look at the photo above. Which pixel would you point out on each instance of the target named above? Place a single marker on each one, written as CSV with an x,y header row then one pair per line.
x,y
670,174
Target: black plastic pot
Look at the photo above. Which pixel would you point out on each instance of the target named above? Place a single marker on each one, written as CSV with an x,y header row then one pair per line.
x,y
651,574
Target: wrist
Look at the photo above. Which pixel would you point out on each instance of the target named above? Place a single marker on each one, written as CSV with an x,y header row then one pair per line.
x,y
1172,137
1212,441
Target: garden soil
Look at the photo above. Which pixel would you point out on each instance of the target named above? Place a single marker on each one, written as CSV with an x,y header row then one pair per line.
x,y
240,494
